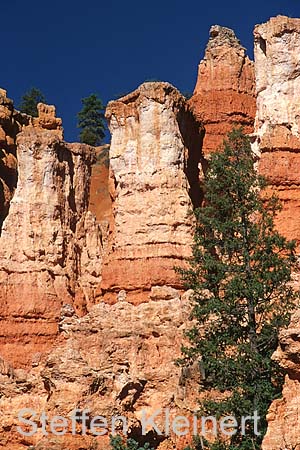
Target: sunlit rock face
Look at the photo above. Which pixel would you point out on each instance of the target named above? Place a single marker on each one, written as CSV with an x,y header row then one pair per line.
x,y
277,142
283,415
277,124
224,96
118,356
154,156
116,360
44,261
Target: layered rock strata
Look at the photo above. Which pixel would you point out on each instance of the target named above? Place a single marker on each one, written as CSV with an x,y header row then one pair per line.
x,y
277,127
11,123
117,360
154,156
277,131
224,94
49,246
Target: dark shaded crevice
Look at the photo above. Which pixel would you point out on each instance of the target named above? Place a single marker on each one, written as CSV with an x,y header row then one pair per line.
x,y
9,176
192,133
3,209
151,437
262,45
137,387
8,182
65,158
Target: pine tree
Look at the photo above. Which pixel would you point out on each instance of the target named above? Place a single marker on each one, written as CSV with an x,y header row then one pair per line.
x,y
91,120
240,272
30,100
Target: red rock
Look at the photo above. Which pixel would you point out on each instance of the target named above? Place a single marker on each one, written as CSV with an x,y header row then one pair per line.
x,y
277,143
154,156
116,360
118,356
44,259
224,95
100,200
283,416
47,119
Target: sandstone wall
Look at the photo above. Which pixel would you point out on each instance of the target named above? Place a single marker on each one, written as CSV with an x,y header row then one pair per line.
x,y
100,200
117,360
154,156
224,94
277,127
10,126
48,242
284,413
277,124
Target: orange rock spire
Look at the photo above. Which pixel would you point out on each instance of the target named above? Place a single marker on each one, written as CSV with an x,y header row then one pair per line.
x,y
224,95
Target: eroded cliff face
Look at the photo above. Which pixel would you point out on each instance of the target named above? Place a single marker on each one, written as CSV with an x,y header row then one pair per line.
x,y
224,95
10,125
44,260
277,125
283,416
100,199
277,128
154,156
117,357
117,360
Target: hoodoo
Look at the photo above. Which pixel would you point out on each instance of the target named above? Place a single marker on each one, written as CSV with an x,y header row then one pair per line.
x,y
277,129
224,94
154,156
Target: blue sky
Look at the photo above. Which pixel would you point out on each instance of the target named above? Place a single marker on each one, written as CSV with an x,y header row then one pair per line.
x,y
70,49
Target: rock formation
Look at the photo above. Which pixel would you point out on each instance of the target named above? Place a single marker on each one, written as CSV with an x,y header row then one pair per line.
x,y
224,95
154,156
277,131
57,258
113,359
277,126
284,413
100,199
44,259
47,119
117,360
10,126
11,123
